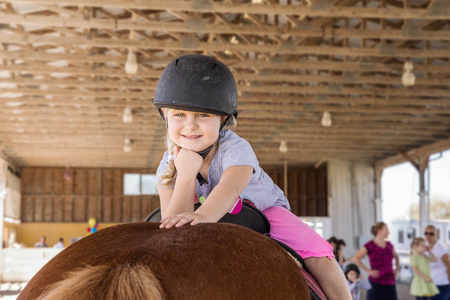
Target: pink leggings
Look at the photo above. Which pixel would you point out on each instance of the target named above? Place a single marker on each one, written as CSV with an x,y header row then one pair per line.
x,y
289,229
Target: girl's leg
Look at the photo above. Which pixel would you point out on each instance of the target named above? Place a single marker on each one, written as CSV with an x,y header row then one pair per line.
x,y
330,277
316,252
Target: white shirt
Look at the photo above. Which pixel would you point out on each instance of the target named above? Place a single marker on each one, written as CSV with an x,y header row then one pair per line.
x,y
58,245
438,269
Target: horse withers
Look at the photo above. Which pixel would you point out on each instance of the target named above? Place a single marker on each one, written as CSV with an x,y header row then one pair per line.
x,y
139,261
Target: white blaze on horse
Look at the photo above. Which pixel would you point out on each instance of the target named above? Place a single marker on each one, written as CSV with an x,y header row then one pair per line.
x,y
139,261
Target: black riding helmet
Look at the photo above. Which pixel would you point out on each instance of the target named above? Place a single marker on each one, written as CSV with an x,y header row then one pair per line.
x,y
197,83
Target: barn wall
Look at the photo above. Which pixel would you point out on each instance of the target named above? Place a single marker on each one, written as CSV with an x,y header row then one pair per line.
x,y
98,193
91,193
29,233
351,193
307,189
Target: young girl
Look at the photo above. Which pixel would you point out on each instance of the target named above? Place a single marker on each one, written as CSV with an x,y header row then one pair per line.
x,y
355,281
197,96
422,285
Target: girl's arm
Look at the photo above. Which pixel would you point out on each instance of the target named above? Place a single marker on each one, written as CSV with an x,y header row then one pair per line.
x,y
365,284
181,198
433,257
357,260
178,200
419,273
232,182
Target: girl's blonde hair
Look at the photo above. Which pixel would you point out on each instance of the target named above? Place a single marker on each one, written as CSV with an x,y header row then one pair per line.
x,y
168,178
416,242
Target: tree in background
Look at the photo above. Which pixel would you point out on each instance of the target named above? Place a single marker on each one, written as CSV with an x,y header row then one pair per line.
x,y
439,208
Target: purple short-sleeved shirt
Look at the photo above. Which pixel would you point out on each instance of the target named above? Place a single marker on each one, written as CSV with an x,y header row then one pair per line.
x,y
233,150
381,260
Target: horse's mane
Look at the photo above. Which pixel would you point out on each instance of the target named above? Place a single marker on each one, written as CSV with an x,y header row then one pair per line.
x,y
123,282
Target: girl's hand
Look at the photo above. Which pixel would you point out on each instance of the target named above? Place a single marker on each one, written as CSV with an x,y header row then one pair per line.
x,y
182,219
374,273
187,162
428,279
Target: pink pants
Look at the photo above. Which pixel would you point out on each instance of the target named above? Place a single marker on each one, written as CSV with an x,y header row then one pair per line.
x,y
289,229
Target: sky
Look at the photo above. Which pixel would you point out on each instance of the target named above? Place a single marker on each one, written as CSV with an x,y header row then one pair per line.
x,y
400,186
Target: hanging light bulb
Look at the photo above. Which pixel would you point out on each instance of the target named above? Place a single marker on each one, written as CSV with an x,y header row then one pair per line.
x,y
131,66
326,119
234,40
283,147
127,115
408,77
127,146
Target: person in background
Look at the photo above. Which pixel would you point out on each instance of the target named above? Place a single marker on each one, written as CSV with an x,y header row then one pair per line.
x,y
381,274
440,270
422,286
340,253
42,243
355,281
333,242
59,244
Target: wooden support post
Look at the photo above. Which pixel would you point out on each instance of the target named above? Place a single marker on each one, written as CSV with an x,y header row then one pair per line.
x,y
99,197
421,165
285,178
378,201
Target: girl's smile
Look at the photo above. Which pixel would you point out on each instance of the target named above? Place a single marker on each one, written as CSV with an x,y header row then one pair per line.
x,y
191,136
194,131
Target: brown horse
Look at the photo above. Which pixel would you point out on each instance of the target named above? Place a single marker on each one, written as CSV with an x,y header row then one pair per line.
x,y
140,261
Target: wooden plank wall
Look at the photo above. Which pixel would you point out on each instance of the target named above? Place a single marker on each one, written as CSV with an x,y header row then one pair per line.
x,y
98,193
307,189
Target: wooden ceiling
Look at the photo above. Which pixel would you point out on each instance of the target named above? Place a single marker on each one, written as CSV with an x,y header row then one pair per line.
x,y
63,85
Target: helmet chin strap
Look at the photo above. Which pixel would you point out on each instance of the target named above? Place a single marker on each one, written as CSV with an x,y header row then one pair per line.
x,y
206,151
203,154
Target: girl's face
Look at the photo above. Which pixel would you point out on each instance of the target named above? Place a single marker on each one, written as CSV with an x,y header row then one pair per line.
x,y
420,248
194,131
352,276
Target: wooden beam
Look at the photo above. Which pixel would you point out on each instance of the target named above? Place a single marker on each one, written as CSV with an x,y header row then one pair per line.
x,y
195,44
439,146
203,27
258,64
221,7
251,77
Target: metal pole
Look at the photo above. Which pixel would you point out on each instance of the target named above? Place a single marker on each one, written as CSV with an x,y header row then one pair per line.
x,y
423,202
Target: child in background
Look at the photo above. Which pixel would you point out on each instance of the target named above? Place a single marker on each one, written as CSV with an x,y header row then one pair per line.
x,y
197,96
355,281
422,285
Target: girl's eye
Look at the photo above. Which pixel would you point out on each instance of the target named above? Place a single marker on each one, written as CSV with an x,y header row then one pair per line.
x,y
202,115
179,114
